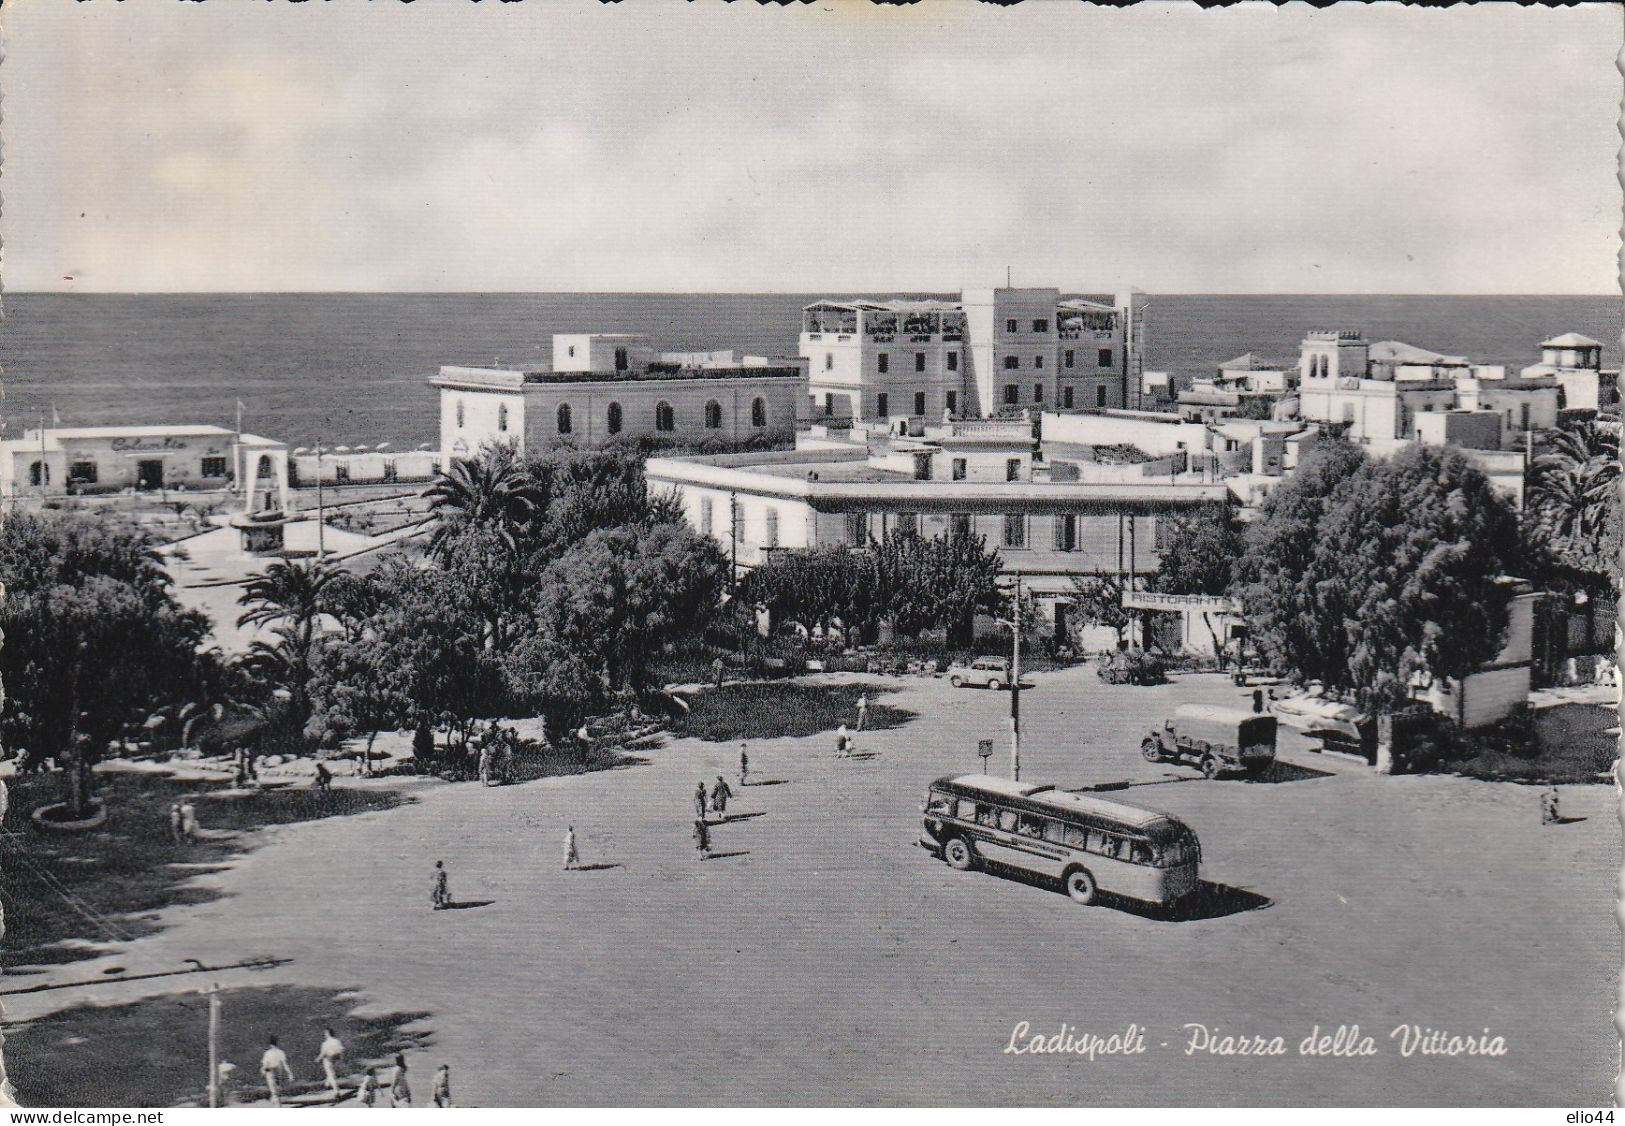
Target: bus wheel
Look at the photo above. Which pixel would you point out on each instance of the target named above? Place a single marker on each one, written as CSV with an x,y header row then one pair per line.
x,y
1080,885
1152,750
1210,767
958,854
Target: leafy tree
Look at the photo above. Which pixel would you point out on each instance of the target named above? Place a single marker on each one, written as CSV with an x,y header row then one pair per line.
x,y
815,587
1401,577
95,641
1200,552
1098,601
1273,577
940,582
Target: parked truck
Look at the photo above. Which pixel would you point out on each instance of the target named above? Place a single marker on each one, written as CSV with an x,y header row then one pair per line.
x,y
1215,739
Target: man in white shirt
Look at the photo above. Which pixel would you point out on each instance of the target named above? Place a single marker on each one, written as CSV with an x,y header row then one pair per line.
x,y
331,1051
274,1060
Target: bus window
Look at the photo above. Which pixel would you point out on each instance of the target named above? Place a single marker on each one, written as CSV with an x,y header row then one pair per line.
x,y
1030,826
1140,852
1007,820
939,805
986,816
1075,836
965,810
1101,843
1055,831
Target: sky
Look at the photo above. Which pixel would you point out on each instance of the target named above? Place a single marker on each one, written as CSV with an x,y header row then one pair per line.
x,y
447,145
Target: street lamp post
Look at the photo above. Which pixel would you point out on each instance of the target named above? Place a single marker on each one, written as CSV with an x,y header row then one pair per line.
x,y
1014,623
214,1044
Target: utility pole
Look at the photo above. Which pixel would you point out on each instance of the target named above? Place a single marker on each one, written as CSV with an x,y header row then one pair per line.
x,y
214,1044
321,515
1015,685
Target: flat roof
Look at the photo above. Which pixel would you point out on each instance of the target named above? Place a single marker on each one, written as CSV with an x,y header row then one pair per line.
x,y
192,431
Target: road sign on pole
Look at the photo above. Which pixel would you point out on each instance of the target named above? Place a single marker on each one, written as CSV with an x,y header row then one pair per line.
x,y
984,750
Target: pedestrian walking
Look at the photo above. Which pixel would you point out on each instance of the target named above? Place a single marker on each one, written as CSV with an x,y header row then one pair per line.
x,y
239,760
188,821
442,1085
863,711
1548,806
175,821
485,765
328,1055
843,742
367,1093
720,793
744,764
273,1061
702,838
324,778
572,859
699,802
440,889
716,668
400,1094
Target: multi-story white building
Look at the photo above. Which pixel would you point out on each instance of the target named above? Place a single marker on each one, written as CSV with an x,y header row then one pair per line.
x,y
1575,362
603,388
994,351
1051,515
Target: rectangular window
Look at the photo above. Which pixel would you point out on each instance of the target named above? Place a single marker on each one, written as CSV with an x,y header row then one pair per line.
x,y
922,467
85,471
1038,392
1525,415
952,402
882,405
707,515
1066,397
953,361
620,359
1012,394
919,361
1105,357
1011,363
908,523
1010,325
1076,836
1030,825
919,402
1100,395
1015,530
959,469
1007,820
1348,412
965,810
829,405
1038,363
1054,832
1066,532
857,529
341,471
1041,325
1071,357
829,361
770,533
1012,469
883,359
959,526
212,467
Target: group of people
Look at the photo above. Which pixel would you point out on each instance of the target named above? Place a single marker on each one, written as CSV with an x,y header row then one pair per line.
x,y
496,747
716,802
183,827
274,1065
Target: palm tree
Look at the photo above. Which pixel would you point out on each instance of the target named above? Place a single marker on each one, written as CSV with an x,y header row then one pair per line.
x,y
494,488
289,595
1576,480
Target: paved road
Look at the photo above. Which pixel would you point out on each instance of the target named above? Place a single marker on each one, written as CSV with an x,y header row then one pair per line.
x,y
830,960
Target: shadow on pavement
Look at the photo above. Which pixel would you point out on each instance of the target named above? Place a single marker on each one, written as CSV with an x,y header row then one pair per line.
x,y
1289,772
594,867
724,855
1208,901
147,1053
767,782
467,904
739,817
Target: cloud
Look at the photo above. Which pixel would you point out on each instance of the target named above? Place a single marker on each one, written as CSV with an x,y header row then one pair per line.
x,y
639,146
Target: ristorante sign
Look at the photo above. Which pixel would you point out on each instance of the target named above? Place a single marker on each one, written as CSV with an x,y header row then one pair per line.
x,y
146,445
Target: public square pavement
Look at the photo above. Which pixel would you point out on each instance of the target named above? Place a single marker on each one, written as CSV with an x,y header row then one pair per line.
x,y
822,957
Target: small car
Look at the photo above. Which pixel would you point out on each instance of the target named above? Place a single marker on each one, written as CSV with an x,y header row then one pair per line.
x,y
990,672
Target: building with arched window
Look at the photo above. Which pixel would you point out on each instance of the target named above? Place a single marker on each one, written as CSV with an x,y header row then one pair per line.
x,y
608,387
109,459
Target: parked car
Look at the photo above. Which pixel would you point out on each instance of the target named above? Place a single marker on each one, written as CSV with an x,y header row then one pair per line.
x,y
990,672
1312,713
1215,739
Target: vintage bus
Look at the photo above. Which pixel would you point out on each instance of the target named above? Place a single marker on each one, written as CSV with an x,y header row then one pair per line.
x,y
1091,844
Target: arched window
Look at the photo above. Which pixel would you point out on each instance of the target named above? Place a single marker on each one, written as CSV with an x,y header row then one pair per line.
x,y
39,473
713,415
758,412
502,416
263,470
614,421
459,414
664,421
564,418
